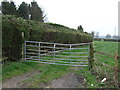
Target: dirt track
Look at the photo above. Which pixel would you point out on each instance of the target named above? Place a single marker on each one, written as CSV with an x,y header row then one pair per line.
x,y
15,82
70,80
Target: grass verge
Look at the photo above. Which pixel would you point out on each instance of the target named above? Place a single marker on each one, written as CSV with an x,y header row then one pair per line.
x,y
13,69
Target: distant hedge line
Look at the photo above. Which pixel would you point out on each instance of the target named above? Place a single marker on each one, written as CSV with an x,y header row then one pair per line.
x,y
13,39
106,39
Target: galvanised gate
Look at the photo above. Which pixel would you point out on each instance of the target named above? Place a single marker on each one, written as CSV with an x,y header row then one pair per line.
x,y
56,53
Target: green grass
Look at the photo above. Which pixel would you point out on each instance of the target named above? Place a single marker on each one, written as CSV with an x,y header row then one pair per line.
x,y
105,47
13,69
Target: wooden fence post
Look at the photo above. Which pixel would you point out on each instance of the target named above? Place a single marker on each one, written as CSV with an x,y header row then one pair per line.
x,y
91,57
22,46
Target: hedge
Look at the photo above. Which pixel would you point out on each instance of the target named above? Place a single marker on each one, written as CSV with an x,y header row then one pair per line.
x,y
11,40
13,27
106,39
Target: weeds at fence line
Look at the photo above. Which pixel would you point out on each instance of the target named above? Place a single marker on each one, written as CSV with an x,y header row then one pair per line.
x,y
107,68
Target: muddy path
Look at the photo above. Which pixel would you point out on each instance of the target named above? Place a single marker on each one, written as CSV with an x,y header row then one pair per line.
x,y
15,82
69,80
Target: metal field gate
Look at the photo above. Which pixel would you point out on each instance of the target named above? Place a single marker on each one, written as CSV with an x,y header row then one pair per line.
x,y
56,53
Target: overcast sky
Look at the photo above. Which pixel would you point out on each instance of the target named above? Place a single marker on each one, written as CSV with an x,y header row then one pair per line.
x,y
94,15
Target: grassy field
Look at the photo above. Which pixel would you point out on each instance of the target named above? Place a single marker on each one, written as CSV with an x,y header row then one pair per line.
x,y
106,47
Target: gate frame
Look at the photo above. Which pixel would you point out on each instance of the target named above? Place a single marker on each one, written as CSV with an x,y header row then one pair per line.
x,y
90,51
